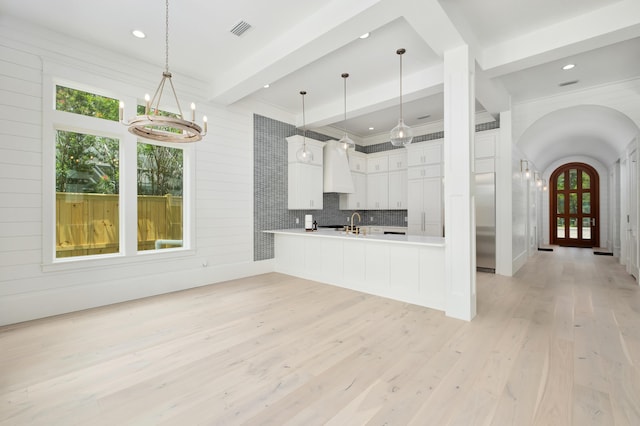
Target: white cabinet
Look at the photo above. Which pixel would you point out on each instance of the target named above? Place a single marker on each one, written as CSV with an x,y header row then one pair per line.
x,y
377,163
358,199
387,180
305,180
378,191
425,190
425,212
398,190
424,153
398,159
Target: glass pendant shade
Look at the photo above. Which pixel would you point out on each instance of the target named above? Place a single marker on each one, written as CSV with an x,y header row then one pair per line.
x,y
304,154
347,143
401,135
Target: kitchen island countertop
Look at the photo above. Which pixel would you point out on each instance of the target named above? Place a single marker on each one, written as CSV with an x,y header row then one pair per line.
x,y
392,238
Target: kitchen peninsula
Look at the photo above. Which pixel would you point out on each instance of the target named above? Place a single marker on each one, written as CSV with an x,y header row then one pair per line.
x,y
408,268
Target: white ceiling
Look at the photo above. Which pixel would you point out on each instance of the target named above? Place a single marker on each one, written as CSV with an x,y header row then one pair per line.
x,y
296,45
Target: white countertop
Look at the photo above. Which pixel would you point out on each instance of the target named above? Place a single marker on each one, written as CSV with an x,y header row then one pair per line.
x,y
391,238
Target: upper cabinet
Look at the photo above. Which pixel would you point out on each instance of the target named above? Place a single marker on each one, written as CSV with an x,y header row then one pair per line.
x,y
425,153
305,180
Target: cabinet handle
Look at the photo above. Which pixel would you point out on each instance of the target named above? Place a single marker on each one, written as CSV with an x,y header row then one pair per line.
x,y
424,222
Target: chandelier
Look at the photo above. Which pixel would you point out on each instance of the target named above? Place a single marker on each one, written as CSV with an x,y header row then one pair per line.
x,y
155,126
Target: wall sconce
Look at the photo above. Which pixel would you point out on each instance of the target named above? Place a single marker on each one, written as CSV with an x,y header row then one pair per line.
x,y
536,176
544,184
524,168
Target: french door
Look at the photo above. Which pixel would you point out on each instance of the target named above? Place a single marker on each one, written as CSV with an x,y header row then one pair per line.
x,y
574,206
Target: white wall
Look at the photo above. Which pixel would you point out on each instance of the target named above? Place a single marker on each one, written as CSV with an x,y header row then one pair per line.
x,y
223,187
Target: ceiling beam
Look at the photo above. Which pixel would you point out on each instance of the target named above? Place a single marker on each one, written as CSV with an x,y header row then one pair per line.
x,y
611,24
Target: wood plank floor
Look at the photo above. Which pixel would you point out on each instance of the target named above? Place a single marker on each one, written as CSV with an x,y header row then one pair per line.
x,y
558,344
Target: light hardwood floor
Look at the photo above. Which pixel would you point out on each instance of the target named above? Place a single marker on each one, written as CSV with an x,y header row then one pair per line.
x,y
558,344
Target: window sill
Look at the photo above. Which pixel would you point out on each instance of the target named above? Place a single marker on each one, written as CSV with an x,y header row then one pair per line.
x,y
116,259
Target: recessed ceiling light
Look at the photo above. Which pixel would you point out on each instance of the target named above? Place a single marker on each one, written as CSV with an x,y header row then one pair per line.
x,y
266,86
365,35
138,34
371,128
569,66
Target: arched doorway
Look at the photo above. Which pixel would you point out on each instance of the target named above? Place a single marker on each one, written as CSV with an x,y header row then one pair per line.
x,y
574,214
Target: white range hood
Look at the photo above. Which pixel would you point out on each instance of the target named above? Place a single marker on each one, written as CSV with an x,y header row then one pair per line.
x,y
337,174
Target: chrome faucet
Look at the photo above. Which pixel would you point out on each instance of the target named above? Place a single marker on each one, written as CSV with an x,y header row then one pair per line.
x,y
359,220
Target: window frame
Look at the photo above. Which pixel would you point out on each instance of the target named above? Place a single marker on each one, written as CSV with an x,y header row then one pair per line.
x,y
54,120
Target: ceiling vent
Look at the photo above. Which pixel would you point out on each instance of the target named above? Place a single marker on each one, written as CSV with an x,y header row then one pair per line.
x,y
240,28
568,83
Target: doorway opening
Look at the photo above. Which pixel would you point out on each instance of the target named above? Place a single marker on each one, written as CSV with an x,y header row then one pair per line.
x,y
574,214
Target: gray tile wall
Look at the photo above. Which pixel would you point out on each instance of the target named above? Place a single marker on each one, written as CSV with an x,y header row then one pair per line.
x,y
270,186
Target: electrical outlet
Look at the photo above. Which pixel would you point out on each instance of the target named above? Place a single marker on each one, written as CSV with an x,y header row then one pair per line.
x,y
297,220
371,219
405,219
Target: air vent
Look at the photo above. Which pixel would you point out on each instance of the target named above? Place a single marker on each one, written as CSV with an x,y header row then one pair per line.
x,y
240,28
568,83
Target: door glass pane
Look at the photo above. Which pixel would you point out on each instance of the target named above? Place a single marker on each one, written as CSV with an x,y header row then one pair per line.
x,y
573,179
586,181
560,184
560,227
586,203
573,203
573,227
560,203
586,228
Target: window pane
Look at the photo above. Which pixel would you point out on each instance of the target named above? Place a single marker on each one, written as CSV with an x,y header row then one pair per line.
x,y
573,227
560,203
560,184
85,103
586,181
160,207
87,201
573,179
573,203
560,228
586,228
586,203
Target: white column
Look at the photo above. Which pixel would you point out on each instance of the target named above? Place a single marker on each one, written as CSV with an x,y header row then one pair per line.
x,y
459,129
504,207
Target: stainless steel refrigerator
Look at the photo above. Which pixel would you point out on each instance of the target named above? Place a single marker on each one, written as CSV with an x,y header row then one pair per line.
x,y
485,222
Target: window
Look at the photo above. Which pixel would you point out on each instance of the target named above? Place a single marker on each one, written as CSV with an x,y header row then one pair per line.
x,y
87,200
160,206
113,195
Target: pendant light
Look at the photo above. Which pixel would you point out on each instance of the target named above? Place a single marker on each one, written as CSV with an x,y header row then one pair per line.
x,y
401,135
162,128
346,142
304,154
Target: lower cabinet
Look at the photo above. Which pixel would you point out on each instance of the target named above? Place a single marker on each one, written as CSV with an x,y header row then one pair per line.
x,y
425,209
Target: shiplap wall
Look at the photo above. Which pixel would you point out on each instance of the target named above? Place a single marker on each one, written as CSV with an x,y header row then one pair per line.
x,y
223,188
